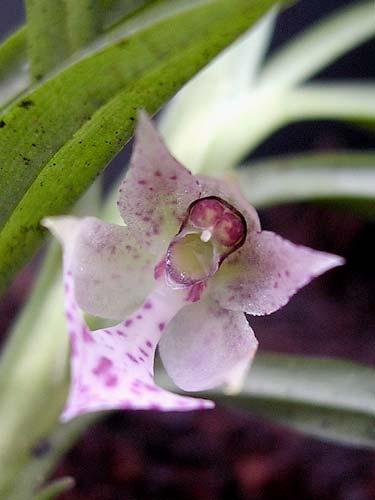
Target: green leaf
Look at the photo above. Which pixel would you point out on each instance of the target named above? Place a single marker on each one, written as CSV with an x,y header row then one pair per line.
x,y
14,75
326,398
235,124
340,176
33,375
47,36
84,19
335,101
32,473
115,10
312,50
57,139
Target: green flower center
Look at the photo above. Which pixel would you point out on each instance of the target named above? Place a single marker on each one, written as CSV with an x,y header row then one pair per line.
x,y
212,230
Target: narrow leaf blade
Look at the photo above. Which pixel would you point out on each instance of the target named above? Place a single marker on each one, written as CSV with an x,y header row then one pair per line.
x,y
320,45
327,398
342,176
48,43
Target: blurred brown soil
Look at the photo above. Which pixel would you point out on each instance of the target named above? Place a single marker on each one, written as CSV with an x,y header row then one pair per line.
x,y
230,455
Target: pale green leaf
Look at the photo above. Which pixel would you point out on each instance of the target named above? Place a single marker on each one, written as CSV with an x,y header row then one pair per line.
x,y
229,128
251,117
190,121
353,102
345,176
326,398
312,50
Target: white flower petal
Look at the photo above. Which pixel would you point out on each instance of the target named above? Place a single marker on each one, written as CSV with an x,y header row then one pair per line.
x,y
206,346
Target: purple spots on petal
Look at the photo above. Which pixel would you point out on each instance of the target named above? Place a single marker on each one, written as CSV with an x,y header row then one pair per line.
x,y
108,332
147,305
157,173
287,273
276,284
161,326
69,315
73,344
149,343
151,388
139,316
131,357
141,359
104,364
142,351
111,381
128,322
121,333
142,182
173,177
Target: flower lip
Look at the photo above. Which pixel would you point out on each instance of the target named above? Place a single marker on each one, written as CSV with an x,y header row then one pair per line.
x,y
212,230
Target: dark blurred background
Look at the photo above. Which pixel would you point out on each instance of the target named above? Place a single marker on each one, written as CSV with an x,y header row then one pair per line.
x,y
227,454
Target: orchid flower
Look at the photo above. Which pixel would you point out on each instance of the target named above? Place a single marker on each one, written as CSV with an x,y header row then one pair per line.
x,y
190,260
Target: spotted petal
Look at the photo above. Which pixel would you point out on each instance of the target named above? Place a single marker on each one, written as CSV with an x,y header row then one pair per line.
x,y
156,192
112,274
266,271
206,346
112,368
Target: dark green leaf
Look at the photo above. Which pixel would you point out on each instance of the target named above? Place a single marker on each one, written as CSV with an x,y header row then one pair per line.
x,y
47,36
57,139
